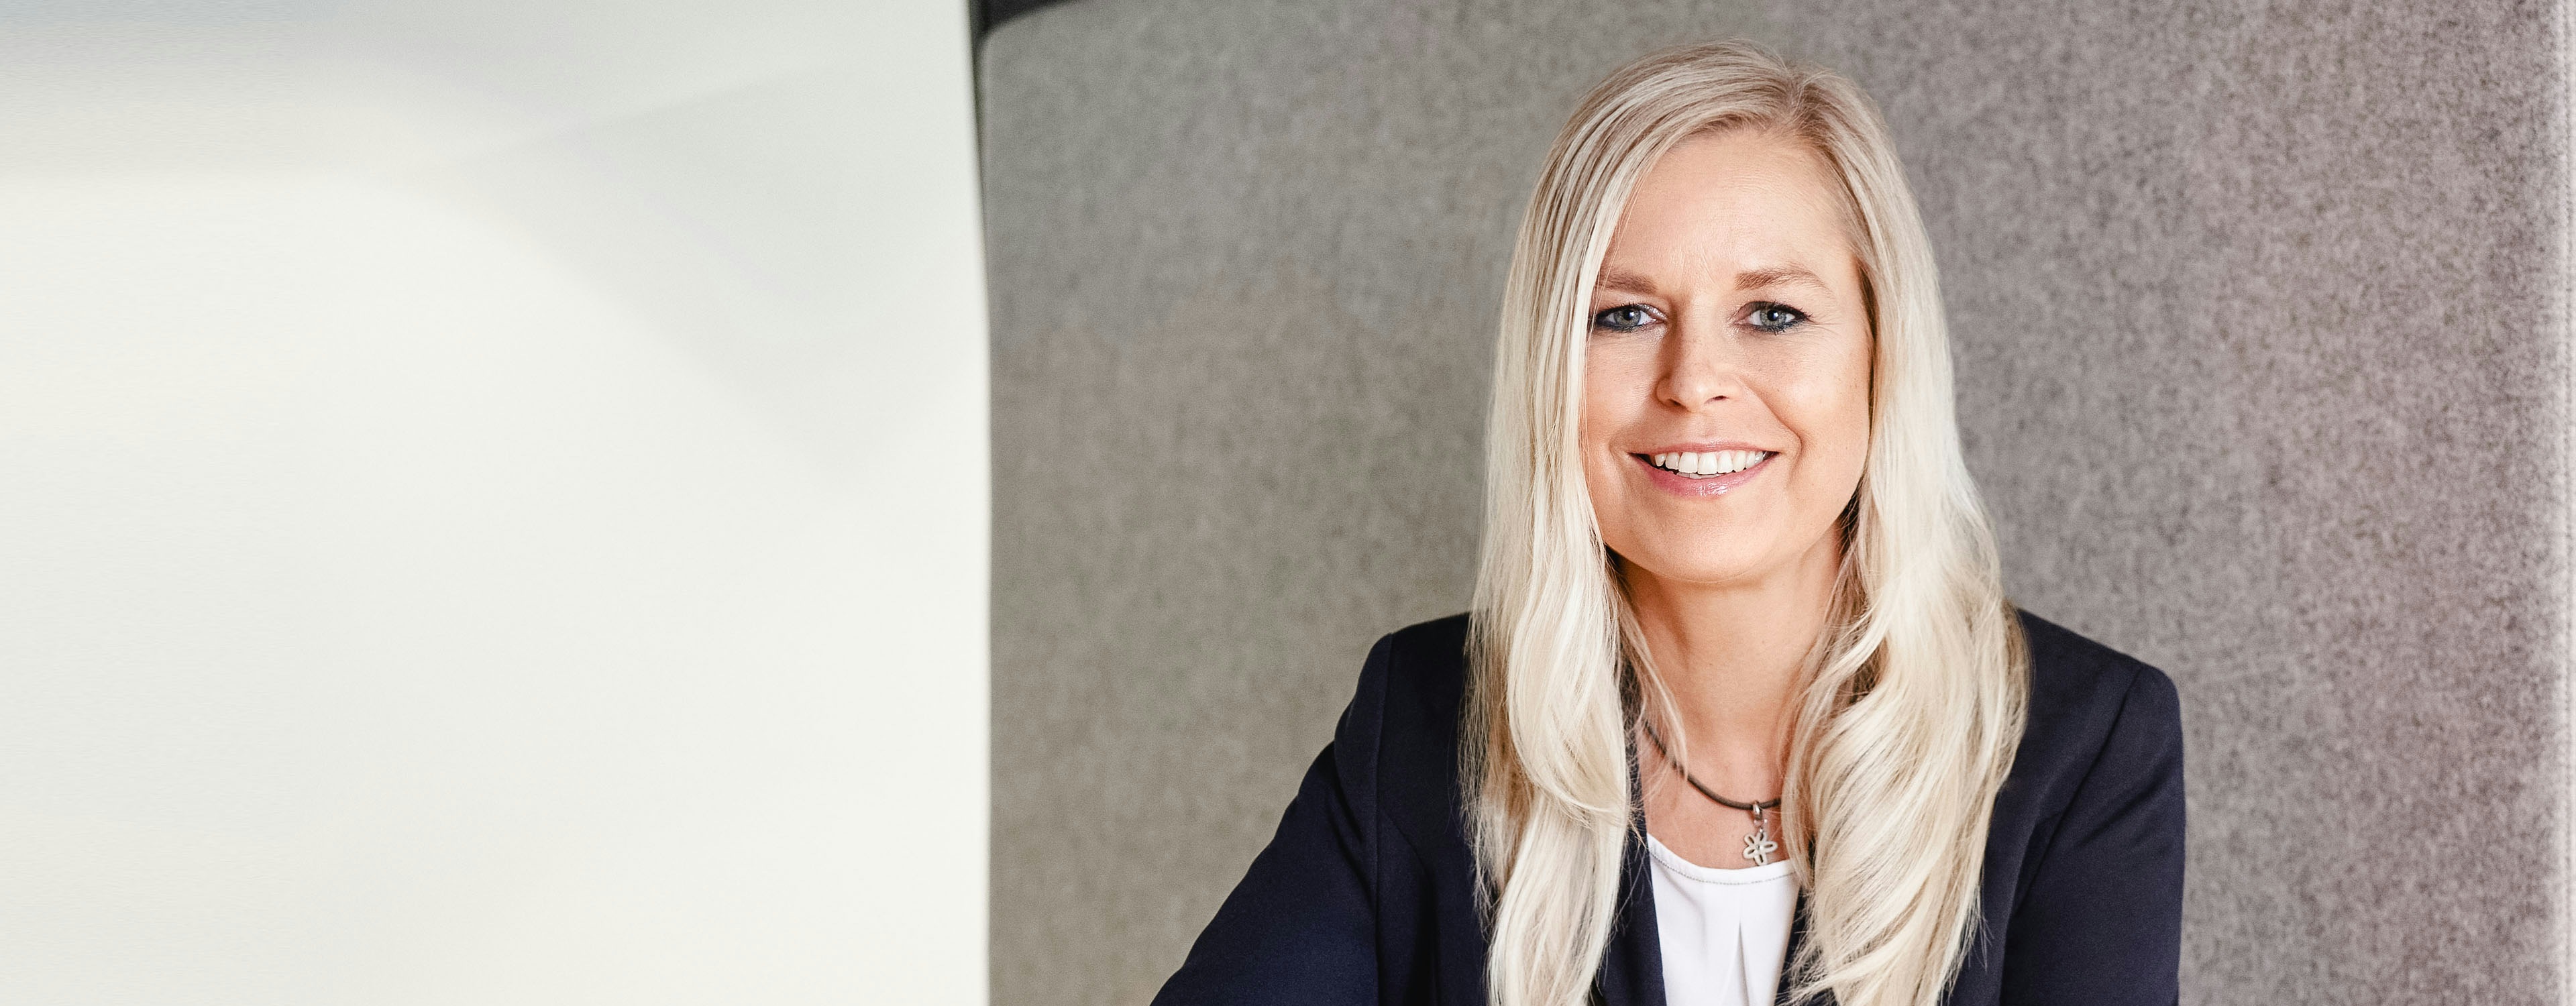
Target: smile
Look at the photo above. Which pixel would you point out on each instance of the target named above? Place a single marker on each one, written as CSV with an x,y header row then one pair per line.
x,y
1704,474
1707,464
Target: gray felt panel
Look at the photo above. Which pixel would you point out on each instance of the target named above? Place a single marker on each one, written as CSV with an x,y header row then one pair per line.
x,y
2258,321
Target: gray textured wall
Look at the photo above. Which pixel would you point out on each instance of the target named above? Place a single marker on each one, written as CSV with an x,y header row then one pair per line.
x,y
2257,319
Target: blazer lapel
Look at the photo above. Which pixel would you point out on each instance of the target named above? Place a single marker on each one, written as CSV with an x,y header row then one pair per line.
x,y
1797,938
1632,966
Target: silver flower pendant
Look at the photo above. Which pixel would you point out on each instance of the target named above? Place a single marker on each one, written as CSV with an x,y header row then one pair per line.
x,y
1758,846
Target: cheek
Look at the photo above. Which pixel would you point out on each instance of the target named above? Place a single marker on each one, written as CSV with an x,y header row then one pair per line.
x,y
1614,401
1833,421
1611,399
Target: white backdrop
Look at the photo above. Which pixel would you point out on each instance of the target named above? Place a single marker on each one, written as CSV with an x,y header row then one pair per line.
x,y
493,503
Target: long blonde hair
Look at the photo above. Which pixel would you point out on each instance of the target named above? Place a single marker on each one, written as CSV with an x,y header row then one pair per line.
x,y
1909,709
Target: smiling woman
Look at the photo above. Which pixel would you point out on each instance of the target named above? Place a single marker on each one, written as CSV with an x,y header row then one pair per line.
x,y
1737,601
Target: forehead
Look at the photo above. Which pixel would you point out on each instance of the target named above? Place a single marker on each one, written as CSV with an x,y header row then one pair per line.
x,y
1743,197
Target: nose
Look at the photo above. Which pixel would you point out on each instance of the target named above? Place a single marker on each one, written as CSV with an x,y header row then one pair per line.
x,y
1702,366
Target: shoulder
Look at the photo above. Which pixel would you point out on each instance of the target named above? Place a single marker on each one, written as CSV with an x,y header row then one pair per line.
x,y
1398,740
2077,682
2084,861
1428,656
1411,688
1413,675
2094,711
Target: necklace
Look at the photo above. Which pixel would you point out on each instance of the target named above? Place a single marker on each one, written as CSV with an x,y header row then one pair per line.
x,y
1758,846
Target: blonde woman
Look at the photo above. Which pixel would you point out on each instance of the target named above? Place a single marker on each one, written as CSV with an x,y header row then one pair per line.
x,y
1741,714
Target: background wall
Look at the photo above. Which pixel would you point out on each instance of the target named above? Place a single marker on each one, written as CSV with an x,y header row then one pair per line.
x,y
2259,323
492,503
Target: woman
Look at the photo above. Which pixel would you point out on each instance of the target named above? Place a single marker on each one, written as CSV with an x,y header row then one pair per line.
x,y
1740,714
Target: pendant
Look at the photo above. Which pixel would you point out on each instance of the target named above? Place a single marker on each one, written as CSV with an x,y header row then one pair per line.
x,y
1758,846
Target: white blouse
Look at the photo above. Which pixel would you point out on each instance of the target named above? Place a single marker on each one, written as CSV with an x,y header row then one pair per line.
x,y
1724,932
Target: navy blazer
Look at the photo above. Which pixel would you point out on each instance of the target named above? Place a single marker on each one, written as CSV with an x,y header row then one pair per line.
x,y
1366,894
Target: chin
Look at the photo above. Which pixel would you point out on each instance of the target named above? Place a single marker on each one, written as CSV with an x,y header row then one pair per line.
x,y
1698,567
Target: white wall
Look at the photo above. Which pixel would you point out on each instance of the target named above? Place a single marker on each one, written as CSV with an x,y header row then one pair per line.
x,y
493,503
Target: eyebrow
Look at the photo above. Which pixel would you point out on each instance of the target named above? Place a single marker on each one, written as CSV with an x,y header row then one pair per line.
x,y
1778,275
1750,279
1624,282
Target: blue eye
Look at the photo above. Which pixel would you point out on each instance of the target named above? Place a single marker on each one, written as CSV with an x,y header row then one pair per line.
x,y
1624,318
1773,317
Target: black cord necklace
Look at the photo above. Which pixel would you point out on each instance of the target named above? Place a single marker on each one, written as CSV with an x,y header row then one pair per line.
x,y
1758,846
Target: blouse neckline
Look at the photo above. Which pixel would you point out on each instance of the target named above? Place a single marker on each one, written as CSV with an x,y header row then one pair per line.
x,y
1673,861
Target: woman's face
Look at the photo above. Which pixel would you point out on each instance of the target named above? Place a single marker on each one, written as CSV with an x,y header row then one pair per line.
x,y
1727,373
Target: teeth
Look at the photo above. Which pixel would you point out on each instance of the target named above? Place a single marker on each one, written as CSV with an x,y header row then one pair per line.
x,y
1709,462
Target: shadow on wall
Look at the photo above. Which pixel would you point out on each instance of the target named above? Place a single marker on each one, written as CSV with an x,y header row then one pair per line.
x,y
990,14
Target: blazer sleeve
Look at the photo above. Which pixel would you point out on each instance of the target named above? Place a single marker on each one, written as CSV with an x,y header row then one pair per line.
x,y
1301,926
2102,919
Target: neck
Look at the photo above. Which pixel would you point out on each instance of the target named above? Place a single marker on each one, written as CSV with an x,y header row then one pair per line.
x,y
1731,655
